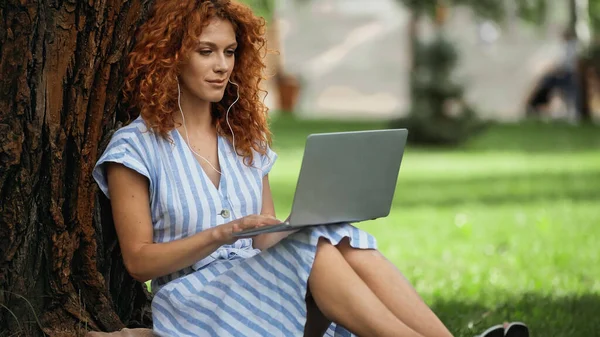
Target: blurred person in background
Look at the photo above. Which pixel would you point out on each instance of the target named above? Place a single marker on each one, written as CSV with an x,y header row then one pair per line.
x,y
558,93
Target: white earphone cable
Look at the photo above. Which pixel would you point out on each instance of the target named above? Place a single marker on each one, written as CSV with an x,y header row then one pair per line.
x,y
226,119
227,115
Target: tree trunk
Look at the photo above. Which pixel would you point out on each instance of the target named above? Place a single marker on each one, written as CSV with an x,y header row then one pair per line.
x,y
61,70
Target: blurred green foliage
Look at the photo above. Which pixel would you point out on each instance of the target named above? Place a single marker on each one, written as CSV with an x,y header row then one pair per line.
x,y
438,114
533,11
529,10
263,8
594,6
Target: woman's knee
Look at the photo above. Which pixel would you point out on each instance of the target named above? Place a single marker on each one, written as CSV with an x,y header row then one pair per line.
x,y
352,254
323,242
327,255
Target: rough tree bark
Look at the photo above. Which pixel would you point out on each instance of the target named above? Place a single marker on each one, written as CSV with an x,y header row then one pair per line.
x,y
61,70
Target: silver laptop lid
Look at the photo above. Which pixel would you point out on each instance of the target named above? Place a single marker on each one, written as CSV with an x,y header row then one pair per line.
x,y
348,176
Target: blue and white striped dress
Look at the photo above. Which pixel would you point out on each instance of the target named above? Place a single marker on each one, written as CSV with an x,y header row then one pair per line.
x,y
237,290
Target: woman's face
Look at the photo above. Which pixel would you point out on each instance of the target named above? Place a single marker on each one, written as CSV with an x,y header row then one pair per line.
x,y
210,65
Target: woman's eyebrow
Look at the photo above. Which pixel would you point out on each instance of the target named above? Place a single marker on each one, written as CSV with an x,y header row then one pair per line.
x,y
213,45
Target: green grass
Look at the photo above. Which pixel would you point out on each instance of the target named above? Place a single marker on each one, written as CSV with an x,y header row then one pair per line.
x,y
505,228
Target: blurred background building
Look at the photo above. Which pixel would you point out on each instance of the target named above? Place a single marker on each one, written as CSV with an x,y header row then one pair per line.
x,y
352,59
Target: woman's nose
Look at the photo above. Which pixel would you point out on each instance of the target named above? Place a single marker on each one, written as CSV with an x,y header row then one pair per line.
x,y
221,64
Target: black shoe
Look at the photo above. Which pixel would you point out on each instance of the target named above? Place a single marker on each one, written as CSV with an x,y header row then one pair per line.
x,y
517,329
495,331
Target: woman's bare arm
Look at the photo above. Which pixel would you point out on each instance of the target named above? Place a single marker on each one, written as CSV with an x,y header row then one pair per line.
x,y
145,259
264,241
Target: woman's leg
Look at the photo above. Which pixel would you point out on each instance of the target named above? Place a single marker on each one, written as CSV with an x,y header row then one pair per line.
x,y
392,288
345,299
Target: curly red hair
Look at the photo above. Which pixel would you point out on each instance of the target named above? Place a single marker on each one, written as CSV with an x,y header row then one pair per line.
x,y
163,43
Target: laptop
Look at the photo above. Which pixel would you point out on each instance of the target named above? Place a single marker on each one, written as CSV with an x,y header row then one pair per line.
x,y
345,177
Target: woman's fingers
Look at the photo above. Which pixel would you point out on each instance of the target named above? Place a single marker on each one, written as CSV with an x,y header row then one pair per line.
x,y
258,221
253,221
235,227
261,220
269,221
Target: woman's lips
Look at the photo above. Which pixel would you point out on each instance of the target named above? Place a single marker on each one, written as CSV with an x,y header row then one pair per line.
x,y
217,83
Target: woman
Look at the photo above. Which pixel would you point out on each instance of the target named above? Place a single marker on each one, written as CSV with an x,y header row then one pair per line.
x,y
192,170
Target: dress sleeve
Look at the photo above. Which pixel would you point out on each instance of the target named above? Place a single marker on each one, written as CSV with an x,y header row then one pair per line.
x,y
267,161
124,148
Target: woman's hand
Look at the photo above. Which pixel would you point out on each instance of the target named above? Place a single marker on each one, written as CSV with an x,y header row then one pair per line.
x,y
224,233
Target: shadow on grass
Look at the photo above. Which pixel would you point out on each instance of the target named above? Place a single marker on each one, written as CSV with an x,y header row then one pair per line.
x,y
499,190
486,190
573,316
538,137
529,136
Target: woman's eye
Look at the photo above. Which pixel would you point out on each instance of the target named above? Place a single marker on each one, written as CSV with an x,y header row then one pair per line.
x,y
230,52
205,52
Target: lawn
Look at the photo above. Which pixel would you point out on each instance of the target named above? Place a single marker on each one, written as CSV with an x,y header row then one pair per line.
x,y
506,227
